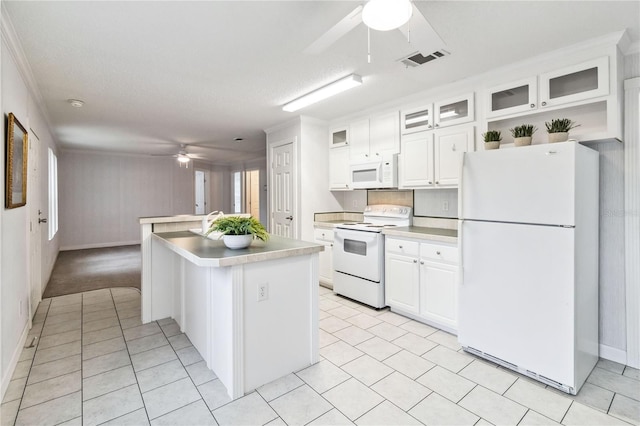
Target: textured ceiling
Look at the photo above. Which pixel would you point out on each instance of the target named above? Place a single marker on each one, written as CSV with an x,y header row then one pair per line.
x,y
155,74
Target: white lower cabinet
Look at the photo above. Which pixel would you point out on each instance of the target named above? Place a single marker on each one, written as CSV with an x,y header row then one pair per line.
x,y
325,270
421,280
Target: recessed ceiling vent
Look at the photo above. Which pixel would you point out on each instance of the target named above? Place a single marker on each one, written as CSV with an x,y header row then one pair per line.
x,y
417,59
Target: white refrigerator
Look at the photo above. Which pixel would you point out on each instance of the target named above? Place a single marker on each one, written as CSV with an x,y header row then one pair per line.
x,y
528,295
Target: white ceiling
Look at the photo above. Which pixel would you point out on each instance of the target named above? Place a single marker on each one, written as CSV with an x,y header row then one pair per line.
x,y
154,74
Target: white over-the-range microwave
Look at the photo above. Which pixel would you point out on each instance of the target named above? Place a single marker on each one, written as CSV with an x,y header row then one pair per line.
x,y
382,173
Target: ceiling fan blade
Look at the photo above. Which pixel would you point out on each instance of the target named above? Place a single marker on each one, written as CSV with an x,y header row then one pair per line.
x,y
346,24
421,34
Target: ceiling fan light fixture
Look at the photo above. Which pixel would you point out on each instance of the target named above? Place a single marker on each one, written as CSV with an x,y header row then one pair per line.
x,y
325,92
183,158
385,15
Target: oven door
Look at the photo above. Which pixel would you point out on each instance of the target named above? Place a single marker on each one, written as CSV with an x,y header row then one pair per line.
x,y
359,253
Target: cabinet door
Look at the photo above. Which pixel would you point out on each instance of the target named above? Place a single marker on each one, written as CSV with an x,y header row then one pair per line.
x,y
384,134
579,82
439,293
339,169
359,134
512,98
450,144
402,282
417,119
416,161
326,263
339,136
451,112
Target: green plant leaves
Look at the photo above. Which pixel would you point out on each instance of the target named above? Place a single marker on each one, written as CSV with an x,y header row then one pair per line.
x,y
236,225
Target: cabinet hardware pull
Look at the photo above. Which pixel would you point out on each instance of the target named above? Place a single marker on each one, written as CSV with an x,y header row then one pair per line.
x,y
437,124
429,126
544,104
430,183
437,182
399,246
533,105
289,217
438,253
453,148
422,262
415,261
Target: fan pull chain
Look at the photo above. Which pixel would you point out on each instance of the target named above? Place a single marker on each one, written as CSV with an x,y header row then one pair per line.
x,y
368,45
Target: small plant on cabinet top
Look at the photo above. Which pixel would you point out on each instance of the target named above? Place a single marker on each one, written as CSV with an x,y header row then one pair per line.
x,y
523,130
235,225
560,125
492,136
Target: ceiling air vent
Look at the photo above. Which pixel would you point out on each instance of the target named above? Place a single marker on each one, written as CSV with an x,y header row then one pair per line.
x,y
417,59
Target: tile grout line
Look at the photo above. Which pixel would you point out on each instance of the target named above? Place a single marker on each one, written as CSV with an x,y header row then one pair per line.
x,y
115,305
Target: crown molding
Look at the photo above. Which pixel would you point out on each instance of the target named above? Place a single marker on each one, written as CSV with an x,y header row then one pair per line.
x,y
12,41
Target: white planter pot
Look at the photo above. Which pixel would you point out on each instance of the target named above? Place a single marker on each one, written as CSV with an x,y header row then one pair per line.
x,y
492,145
522,141
558,137
237,241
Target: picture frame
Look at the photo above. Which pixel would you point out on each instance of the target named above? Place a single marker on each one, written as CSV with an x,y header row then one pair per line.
x,y
17,148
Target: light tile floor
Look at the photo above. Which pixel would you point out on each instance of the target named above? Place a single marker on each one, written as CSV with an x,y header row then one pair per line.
x,y
95,363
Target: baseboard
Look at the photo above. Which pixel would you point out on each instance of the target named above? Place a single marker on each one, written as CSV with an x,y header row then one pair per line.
x,y
613,354
100,245
6,378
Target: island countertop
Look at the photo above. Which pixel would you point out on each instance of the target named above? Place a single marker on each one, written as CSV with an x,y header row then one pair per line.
x,y
203,251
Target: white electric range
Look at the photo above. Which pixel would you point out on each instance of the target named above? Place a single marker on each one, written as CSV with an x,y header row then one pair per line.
x,y
358,253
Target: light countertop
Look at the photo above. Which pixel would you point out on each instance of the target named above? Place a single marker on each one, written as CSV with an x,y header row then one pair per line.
x,y
424,233
206,252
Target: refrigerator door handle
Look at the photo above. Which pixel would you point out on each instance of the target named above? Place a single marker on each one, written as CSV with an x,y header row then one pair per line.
x,y
461,187
460,253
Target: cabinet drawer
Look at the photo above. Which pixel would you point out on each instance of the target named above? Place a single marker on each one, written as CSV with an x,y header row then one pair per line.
x,y
406,247
439,252
323,234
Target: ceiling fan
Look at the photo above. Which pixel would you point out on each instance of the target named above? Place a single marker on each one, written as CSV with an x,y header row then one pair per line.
x,y
385,15
182,155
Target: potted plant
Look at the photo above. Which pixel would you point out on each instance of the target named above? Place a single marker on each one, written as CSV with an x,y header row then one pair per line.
x,y
523,134
559,128
492,139
238,232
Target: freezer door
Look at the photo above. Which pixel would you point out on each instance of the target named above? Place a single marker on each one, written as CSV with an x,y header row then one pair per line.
x,y
516,299
533,184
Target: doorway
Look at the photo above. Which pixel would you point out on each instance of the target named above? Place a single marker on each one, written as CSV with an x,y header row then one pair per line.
x,y
246,192
201,190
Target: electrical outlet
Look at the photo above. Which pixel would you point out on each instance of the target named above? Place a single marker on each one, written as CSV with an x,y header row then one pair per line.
x,y
263,291
445,206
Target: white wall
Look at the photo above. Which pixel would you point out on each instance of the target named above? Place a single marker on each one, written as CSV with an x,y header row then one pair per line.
x,y
14,223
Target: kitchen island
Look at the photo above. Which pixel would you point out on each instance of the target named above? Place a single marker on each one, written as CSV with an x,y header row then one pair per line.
x,y
252,313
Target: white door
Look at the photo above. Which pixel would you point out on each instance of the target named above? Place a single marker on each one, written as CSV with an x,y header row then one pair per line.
x,y
200,198
416,161
516,300
401,283
450,144
252,193
37,221
282,196
528,184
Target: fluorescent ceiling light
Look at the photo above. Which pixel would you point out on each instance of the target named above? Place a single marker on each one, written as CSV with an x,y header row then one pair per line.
x,y
385,15
327,91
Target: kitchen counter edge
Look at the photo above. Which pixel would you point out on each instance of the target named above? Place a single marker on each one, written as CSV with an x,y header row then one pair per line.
x,y
424,233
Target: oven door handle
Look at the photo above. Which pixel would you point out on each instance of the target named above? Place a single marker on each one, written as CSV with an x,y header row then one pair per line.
x,y
364,236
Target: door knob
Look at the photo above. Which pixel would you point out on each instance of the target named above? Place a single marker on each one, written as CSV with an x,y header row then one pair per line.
x,y
42,220
289,217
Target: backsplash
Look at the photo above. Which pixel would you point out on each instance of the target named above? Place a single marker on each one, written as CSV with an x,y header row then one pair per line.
x,y
397,197
436,203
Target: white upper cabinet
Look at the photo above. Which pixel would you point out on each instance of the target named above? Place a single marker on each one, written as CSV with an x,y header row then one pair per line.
x,y
339,136
417,119
443,113
416,161
512,98
374,137
339,169
450,144
454,111
575,83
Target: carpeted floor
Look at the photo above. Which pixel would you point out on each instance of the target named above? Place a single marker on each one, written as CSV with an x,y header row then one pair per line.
x,y
77,271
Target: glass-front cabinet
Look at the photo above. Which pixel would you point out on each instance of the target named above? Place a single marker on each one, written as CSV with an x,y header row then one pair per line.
x,y
453,111
576,83
512,98
339,136
417,119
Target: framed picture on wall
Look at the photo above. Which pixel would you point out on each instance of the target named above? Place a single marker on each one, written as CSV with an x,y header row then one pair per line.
x,y
16,167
